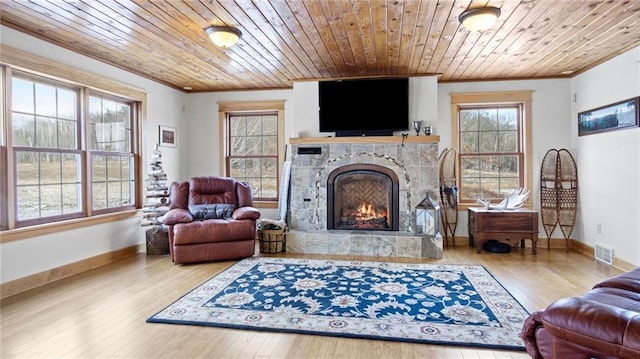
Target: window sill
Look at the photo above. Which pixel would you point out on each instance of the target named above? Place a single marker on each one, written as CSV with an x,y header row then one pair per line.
x,y
265,204
49,228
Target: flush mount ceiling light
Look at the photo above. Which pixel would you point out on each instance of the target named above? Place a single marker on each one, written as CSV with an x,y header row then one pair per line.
x,y
223,36
479,19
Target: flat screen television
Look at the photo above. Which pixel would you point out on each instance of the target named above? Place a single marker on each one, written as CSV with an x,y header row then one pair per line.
x,y
364,107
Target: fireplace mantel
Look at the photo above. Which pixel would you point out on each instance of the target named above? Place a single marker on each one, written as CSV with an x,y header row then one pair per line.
x,y
363,139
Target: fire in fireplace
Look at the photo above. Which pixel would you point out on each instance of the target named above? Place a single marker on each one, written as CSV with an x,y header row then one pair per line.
x,y
362,196
365,216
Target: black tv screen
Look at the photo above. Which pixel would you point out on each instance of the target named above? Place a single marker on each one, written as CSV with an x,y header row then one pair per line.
x,y
364,107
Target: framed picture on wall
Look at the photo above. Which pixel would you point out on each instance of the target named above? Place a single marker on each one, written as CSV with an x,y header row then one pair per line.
x,y
167,136
616,116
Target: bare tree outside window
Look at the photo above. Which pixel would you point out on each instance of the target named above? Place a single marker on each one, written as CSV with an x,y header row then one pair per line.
x,y
253,152
47,159
50,166
492,136
489,152
110,124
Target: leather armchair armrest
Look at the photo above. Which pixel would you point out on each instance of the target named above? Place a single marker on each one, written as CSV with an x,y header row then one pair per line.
x,y
176,215
528,334
246,213
601,327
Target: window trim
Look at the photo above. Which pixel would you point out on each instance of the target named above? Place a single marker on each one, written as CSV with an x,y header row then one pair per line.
x,y
67,225
225,107
491,98
16,150
27,63
89,153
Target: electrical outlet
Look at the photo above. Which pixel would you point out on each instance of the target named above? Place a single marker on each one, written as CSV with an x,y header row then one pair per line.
x,y
599,228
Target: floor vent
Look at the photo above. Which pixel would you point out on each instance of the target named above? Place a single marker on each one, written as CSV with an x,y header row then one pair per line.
x,y
604,254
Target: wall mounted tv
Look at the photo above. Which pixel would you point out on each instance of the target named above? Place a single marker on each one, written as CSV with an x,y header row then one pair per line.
x,y
364,107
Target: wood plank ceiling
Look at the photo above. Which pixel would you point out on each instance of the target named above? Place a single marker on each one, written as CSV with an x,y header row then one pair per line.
x,y
289,40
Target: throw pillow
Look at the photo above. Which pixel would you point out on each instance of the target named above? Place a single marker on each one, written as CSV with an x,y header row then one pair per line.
x,y
175,216
211,211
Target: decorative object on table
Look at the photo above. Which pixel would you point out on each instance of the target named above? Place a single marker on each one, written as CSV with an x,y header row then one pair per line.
x,y
428,217
447,164
514,200
427,130
168,136
616,116
272,236
410,302
558,193
157,201
417,125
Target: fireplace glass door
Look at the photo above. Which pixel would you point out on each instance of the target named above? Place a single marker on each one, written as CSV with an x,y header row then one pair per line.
x,y
362,199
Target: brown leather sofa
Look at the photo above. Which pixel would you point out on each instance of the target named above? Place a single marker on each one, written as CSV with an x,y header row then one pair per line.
x,y
210,218
604,323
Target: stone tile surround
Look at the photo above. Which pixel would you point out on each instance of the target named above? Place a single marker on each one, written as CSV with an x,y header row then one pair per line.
x,y
414,160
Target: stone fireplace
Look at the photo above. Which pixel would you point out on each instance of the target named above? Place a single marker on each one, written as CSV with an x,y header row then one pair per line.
x,y
362,196
356,195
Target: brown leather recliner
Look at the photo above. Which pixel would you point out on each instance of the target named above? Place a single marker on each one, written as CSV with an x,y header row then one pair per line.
x,y
604,323
210,218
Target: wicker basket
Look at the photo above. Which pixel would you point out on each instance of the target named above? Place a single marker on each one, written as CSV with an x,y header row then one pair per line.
x,y
272,240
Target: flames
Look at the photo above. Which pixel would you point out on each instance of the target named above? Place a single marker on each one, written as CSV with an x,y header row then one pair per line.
x,y
364,215
366,211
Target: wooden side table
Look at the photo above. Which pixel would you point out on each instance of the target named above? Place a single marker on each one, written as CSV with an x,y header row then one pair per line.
x,y
509,225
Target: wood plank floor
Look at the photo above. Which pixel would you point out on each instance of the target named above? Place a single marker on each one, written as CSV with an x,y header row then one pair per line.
x,y
102,313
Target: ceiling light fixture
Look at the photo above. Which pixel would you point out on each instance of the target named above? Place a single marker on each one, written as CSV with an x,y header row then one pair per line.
x,y
479,19
223,36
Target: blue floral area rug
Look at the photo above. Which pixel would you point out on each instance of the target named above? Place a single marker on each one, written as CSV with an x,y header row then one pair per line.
x,y
424,303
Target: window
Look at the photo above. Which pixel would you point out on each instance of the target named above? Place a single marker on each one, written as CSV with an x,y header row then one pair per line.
x,y
70,150
252,145
492,135
110,129
47,157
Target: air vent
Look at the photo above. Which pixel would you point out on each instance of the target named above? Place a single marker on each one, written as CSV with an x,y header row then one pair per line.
x,y
309,150
604,254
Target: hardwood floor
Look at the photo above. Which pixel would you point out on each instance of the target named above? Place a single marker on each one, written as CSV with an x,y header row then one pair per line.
x,y
102,313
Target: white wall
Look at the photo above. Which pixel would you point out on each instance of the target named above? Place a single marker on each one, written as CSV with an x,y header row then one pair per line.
x,y
164,107
305,121
551,124
609,163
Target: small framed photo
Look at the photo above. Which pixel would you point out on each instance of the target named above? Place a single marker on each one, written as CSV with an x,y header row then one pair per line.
x,y
168,136
616,116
